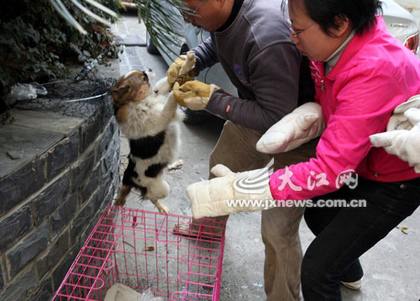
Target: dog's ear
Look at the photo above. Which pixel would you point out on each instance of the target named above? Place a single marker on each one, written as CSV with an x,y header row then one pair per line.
x,y
119,92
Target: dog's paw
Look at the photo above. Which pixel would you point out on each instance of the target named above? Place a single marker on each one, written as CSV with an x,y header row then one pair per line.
x,y
122,195
176,165
160,207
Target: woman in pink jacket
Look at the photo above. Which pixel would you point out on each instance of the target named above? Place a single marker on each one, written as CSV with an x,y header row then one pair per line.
x,y
361,74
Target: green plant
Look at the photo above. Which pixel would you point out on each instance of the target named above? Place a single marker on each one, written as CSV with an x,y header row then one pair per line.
x,y
161,22
36,44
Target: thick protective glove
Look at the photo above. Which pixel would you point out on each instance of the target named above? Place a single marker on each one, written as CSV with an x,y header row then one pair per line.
x,y
194,95
231,192
403,143
182,69
398,120
300,126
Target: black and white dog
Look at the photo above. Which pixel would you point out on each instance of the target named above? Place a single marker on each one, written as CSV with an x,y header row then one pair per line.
x,y
150,121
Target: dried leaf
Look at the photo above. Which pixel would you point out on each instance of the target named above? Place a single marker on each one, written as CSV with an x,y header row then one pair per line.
x,y
403,229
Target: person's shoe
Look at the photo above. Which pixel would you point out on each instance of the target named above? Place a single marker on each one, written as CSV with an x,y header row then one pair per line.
x,y
354,285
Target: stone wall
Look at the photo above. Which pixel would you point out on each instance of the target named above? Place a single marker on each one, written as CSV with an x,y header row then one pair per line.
x,y
58,169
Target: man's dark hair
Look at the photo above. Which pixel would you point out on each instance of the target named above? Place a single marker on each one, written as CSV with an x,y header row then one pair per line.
x,y
360,13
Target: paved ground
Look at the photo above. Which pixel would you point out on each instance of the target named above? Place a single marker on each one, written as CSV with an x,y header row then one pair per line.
x,y
392,267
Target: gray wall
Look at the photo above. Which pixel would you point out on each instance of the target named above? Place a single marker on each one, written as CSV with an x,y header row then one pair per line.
x,y
58,169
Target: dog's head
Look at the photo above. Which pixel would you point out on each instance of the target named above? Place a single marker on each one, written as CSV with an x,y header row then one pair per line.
x,y
132,87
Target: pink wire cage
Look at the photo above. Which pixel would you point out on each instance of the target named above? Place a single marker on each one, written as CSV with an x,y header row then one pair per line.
x,y
144,250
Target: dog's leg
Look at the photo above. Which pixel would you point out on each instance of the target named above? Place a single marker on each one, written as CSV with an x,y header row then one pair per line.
x,y
127,182
157,188
122,195
169,111
176,165
162,208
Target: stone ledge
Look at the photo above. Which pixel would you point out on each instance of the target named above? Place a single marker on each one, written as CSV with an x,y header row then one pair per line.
x,y
23,144
45,120
40,149
53,190
32,136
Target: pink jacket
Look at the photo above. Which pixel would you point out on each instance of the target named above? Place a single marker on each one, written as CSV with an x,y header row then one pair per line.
x,y
374,74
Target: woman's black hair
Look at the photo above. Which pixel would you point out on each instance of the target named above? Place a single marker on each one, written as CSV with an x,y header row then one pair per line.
x,y
360,13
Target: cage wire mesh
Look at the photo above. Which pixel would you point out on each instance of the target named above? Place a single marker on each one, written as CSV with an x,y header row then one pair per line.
x,y
144,250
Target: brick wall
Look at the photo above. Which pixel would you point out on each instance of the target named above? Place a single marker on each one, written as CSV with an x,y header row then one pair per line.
x,y
51,201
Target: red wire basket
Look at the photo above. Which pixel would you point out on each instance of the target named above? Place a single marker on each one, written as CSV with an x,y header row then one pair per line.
x,y
144,250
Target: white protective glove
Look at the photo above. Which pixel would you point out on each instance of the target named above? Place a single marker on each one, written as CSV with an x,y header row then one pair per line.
x,y
300,126
403,133
216,197
398,120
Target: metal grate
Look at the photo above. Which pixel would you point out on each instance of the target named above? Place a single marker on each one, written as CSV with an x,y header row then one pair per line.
x,y
144,250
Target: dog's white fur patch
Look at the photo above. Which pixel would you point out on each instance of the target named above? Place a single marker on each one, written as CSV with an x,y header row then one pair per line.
x,y
156,113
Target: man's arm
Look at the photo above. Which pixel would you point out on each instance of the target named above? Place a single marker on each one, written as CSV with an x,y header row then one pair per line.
x,y
205,54
274,77
362,107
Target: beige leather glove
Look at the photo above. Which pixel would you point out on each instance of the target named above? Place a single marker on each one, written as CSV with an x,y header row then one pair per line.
x,y
182,69
300,126
404,143
231,192
194,95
